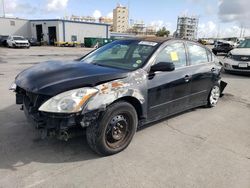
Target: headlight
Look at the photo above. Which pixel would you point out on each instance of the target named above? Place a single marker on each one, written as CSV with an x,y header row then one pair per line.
x,y
68,102
229,55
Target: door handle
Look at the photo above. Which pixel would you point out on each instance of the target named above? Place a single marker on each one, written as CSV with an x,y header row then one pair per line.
x,y
213,69
187,78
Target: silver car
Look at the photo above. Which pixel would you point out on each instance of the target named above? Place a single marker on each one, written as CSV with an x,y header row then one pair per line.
x,y
238,59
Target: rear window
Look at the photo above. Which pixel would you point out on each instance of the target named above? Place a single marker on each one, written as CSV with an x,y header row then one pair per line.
x,y
18,38
197,54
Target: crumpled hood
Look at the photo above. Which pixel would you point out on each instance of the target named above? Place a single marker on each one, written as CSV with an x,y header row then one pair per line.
x,y
51,78
241,51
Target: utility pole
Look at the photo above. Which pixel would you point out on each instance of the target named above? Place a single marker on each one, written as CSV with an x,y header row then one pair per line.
x,y
3,8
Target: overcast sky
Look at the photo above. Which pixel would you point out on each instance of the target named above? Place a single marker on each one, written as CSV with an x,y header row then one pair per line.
x,y
216,17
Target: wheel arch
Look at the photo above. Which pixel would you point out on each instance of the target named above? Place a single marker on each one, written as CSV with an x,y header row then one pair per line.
x,y
135,103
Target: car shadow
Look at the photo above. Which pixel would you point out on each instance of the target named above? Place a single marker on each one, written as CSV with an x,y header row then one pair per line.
x,y
20,144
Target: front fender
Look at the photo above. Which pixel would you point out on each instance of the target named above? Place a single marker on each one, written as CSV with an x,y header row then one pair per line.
x,y
110,92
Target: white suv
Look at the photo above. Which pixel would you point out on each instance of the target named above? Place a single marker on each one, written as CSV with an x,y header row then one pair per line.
x,y
238,59
17,41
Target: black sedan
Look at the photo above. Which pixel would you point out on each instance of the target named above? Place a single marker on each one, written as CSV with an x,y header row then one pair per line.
x,y
113,90
222,48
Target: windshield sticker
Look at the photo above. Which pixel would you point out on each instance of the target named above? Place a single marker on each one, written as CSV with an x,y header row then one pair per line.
x,y
174,56
135,65
139,61
148,43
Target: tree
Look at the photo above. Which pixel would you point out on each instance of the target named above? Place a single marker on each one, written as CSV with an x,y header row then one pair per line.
x,y
163,32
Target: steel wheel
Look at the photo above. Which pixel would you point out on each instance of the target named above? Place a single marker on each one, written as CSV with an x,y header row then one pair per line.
x,y
114,130
214,95
118,130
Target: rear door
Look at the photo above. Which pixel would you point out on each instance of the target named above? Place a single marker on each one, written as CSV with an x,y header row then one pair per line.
x,y
202,67
168,91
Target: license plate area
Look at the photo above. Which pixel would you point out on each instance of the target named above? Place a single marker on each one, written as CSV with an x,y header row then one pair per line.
x,y
243,65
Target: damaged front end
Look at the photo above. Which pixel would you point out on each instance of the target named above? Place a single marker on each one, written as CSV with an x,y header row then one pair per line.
x,y
60,125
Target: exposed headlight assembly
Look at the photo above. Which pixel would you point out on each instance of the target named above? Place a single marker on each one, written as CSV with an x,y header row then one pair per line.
x,y
13,86
69,102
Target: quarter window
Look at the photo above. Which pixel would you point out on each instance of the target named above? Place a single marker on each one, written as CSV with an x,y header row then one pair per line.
x,y
173,53
197,54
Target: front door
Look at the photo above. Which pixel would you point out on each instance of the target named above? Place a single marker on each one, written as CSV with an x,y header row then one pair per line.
x,y
168,91
52,35
39,32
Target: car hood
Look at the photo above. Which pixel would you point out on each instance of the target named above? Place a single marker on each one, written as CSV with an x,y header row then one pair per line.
x,y
51,78
241,51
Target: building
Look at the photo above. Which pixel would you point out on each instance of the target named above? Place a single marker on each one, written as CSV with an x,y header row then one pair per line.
x,y
187,27
107,20
81,18
52,30
138,28
120,19
15,26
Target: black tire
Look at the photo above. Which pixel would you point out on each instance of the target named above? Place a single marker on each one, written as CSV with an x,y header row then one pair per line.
x,y
103,138
214,97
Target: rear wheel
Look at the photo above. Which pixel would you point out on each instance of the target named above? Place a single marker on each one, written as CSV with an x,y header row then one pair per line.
x,y
114,130
214,96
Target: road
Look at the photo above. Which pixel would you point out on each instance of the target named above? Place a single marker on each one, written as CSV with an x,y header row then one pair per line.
x,y
199,148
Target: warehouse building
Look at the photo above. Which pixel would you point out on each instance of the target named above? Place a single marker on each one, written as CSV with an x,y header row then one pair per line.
x,y
9,26
52,30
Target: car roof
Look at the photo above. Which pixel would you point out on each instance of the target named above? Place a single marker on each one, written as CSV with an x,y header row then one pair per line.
x,y
158,39
149,39
154,39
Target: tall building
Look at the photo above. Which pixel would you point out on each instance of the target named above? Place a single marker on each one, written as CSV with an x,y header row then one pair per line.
x,y
120,19
187,27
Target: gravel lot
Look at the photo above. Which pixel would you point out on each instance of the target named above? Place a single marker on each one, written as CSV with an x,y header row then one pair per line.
x,y
199,148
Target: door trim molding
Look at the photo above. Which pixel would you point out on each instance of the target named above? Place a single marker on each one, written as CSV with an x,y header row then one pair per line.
x,y
165,103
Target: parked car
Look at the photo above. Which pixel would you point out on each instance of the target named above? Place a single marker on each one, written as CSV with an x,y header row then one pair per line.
x,y
238,59
34,42
17,42
3,40
117,88
222,48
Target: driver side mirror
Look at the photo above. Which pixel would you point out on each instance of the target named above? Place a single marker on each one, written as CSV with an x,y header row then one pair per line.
x,y
163,66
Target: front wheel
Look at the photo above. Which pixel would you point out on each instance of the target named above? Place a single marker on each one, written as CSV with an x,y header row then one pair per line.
x,y
114,130
214,96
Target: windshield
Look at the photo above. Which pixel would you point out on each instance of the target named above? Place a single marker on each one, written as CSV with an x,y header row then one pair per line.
x,y
245,44
18,38
122,54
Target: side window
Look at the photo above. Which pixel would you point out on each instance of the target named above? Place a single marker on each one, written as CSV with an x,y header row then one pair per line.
x,y
173,53
197,54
